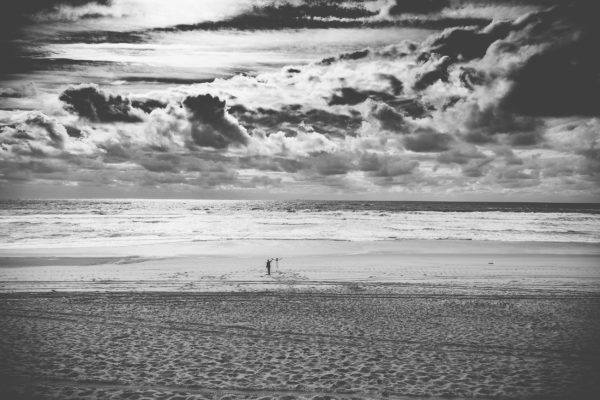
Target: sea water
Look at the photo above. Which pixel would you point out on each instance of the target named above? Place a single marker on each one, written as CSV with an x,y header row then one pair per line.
x,y
78,223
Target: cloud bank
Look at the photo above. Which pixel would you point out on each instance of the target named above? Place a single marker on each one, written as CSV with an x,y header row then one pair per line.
x,y
510,108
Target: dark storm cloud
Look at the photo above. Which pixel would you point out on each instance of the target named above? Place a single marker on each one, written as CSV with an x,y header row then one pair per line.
x,y
148,105
74,132
160,79
20,12
441,103
562,81
96,36
470,77
211,124
240,23
281,16
437,71
355,55
15,15
417,6
411,107
351,96
396,84
469,43
34,60
347,96
484,125
28,7
326,14
388,117
96,105
427,141
21,51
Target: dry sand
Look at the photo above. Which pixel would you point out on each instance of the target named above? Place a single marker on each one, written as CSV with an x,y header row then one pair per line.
x,y
379,343
413,322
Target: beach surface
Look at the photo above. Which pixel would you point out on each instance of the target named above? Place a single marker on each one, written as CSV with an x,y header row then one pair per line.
x,y
239,265
378,320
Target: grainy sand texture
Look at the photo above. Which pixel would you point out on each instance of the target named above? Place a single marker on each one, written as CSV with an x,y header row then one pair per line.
x,y
361,321
355,342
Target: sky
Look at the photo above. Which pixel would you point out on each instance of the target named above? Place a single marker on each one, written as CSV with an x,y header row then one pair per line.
x,y
479,100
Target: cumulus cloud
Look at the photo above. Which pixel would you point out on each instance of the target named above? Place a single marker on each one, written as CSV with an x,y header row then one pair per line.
x,y
389,118
34,133
211,124
90,102
56,132
461,154
148,105
37,147
25,90
487,123
347,96
386,166
289,117
505,107
468,43
427,141
437,70
561,81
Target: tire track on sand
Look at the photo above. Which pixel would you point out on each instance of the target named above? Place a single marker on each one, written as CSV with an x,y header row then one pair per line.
x,y
216,393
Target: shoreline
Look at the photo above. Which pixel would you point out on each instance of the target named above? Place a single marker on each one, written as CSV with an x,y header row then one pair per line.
x,y
311,265
402,245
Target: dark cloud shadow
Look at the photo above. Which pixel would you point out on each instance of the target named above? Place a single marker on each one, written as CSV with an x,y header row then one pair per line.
x,y
211,124
96,105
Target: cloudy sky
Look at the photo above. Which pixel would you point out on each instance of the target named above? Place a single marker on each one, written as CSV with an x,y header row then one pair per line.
x,y
379,99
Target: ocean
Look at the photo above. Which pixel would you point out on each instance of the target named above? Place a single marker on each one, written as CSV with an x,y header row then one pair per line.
x,y
82,223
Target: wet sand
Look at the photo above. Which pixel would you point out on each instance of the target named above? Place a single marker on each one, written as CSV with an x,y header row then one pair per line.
x,y
351,321
307,265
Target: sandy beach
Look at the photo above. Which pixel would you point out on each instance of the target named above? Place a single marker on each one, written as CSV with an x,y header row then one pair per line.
x,y
293,345
299,200
239,265
422,319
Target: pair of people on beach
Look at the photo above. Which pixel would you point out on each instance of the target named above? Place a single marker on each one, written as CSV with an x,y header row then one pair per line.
x,y
269,264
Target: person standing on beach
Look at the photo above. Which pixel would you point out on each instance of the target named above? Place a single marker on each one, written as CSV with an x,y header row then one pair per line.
x,y
269,266
277,263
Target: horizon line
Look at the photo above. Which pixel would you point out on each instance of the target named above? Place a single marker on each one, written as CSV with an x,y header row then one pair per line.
x,y
297,199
